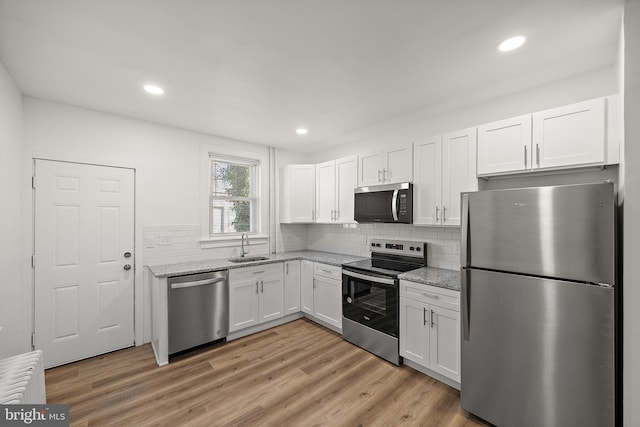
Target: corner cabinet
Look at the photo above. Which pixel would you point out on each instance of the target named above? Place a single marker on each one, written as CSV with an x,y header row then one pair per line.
x,y
297,194
256,295
335,182
444,167
306,286
576,135
430,328
389,166
291,287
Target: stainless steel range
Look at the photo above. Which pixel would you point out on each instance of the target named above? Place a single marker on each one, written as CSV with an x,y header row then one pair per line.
x,y
370,295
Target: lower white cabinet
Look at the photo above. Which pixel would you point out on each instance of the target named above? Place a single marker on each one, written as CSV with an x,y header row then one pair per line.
x,y
306,287
256,295
321,288
430,327
291,287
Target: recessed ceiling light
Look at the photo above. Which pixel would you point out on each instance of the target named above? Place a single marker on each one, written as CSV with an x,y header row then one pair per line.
x,y
153,89
302,131
511,43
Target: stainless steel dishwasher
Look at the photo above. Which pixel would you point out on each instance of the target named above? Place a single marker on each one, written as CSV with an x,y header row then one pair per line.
x,y
198,309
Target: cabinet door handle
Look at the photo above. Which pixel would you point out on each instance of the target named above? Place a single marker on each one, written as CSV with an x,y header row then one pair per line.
x,y
537,155
287,268
432,322
256,286
444,214
525,156
430,295
262,286
379,172
424,316
437,209
313,215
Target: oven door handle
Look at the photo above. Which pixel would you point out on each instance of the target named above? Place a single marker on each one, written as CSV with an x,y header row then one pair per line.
x,y
374,279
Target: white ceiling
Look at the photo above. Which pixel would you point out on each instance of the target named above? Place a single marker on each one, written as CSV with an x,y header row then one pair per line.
x,y
255,70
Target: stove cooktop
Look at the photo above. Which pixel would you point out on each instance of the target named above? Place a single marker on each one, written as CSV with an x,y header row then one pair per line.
x,y
391,257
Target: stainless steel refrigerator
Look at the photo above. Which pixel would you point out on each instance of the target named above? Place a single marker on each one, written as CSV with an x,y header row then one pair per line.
x,y
538,305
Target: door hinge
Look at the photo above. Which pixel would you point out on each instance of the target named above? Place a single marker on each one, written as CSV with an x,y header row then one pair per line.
x,y
33,340
33,182
33,261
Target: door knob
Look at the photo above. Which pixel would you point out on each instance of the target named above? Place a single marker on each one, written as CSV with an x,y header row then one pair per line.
x,y
127,254
127,267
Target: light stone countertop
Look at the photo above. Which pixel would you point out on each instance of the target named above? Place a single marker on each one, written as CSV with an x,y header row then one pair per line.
x,y
449,279
193,267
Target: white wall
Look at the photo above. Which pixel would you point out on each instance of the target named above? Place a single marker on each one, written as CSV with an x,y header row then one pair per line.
x,y
631,212
167,161
13,319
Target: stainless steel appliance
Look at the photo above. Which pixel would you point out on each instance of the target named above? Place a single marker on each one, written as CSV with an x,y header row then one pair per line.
x,y
384,203
198,309
370,295
538,305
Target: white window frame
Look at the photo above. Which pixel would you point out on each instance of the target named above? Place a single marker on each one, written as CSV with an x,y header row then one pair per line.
x,y
253,198
238,150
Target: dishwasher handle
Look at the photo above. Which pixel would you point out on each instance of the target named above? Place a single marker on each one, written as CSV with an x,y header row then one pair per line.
x,y
197,283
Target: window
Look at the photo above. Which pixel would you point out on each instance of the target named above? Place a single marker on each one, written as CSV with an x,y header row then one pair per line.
x,y
233,207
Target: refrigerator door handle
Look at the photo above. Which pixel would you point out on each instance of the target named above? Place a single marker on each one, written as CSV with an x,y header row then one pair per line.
x,y
464,232
464,288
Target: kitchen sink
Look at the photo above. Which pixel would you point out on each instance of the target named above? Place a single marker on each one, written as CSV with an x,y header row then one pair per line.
x,y
248,259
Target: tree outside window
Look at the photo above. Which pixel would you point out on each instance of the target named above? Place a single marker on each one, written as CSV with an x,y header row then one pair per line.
x,y
233,196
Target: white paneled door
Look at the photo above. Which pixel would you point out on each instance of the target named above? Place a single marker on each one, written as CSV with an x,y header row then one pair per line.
x,y
84,276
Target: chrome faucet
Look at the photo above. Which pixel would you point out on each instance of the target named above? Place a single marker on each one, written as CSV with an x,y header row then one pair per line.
x,y
242,251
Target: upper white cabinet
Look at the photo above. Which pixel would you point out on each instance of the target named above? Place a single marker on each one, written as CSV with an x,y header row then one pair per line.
x,y
335,181
504,145
297,193
569,135
581,134
388,166
444,166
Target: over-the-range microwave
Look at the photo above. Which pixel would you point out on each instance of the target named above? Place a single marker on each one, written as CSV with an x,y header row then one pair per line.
x,y
385,203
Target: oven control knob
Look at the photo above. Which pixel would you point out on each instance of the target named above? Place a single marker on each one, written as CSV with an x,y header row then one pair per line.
x,y
349,300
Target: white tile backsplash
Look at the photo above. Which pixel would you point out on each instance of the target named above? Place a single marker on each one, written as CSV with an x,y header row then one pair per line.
x,y
167,244
180,243
443,244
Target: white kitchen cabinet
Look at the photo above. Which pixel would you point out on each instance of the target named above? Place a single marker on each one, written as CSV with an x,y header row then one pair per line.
x,y
297,194
581,134
327,297
570,135
430,328
256,295
322,292
291,287
389,166
306,286
444,166
505,145
335,182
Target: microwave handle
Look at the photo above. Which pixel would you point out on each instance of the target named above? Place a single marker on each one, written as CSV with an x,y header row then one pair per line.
x,y
394,205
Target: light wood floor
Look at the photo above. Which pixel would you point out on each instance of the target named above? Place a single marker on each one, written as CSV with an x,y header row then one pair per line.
x,y
298,374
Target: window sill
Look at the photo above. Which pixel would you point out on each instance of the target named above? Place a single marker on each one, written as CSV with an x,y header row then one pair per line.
x,y
230,241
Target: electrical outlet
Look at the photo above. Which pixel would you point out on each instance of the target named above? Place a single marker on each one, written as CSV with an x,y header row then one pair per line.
x,y
149,242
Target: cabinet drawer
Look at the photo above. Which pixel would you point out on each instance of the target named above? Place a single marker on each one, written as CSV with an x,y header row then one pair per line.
x,y
248,273
432,295
328,271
